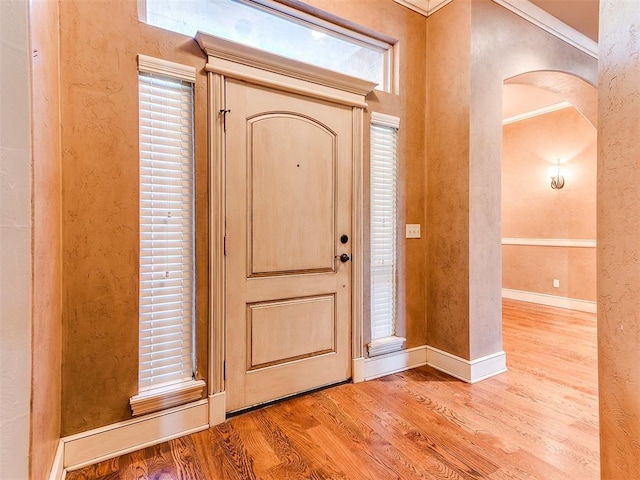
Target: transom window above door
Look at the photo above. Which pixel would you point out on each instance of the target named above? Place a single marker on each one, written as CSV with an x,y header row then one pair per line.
x,y
279,29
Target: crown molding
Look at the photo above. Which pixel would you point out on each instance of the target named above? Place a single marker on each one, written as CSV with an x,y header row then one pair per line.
x,y
534,113
424,7
539,17
525,9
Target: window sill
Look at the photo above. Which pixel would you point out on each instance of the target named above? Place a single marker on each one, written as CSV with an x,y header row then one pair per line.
x,y
166,397
385,345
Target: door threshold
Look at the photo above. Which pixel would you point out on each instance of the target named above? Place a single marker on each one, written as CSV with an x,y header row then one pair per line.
x,y
258,406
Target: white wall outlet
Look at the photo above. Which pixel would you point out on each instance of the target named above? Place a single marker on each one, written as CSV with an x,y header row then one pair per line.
x,y
413,230
556,283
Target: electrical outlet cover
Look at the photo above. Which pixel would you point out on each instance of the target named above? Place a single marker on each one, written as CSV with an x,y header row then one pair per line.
x,y
412,230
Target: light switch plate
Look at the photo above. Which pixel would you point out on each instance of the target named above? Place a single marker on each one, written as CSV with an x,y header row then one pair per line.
x,y
413,230
556,283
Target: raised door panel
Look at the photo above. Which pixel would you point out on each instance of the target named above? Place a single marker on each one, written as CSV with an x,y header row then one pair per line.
x,y
289,330
292,196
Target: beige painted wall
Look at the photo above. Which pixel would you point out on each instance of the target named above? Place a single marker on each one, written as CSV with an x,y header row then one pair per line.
x,y
465,82
99,43
531,209
99,94
448,84
47,237
618,234
15,241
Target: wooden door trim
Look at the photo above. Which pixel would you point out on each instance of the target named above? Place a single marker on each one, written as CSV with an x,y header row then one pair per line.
x,y
217,209
290,82
268,69
357,230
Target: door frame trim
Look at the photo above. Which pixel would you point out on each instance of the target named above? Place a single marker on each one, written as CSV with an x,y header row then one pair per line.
x,y
227,59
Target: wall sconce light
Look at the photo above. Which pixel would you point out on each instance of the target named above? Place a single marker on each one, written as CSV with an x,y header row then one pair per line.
x,y
557,180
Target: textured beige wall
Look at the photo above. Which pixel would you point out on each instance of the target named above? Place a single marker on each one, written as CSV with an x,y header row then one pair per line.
x,y
533,269
464,259
409,28
47,237
448,85
618,234
99,43
531,209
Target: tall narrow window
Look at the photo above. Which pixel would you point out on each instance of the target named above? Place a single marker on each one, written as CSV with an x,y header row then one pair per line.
x,y
383,221
167,270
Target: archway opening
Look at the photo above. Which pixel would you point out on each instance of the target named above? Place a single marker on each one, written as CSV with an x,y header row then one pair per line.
x,y
548,185
548,223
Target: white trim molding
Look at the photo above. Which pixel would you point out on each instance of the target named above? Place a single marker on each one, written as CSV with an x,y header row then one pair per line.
x,y
93,446
166,397
536,113
357,229
424,7
539,17
470,371
217,408
382,346
385,120
551,300
370,368
357,370
57,467
164,67
550,242
265,68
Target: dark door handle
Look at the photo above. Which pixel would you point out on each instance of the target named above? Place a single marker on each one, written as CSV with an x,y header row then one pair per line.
x,y
345,257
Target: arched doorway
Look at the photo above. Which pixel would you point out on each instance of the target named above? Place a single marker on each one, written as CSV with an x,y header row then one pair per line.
x,y
548,225
548,187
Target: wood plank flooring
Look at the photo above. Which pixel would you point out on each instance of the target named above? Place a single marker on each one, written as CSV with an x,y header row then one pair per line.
x,y
537,421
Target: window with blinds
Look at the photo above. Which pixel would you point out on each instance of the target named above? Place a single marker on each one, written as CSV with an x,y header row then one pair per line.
x,y
383,227
167,267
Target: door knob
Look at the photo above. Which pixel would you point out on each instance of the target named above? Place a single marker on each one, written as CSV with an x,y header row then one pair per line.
x,y
345,257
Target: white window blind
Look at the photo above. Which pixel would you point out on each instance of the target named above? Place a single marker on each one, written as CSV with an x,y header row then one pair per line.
x,y
166,231
383,221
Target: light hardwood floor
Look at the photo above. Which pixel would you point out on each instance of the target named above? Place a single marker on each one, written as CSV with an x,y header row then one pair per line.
x,y
537,421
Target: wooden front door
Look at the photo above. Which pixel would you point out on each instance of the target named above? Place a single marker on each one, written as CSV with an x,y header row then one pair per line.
x,y
288,220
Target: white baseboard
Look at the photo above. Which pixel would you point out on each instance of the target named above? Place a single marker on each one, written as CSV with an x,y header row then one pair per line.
x,y
57,467
393,362
470,371
550,300
357,370
217,408
93,446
